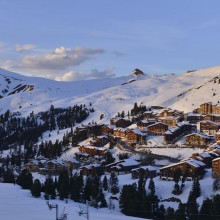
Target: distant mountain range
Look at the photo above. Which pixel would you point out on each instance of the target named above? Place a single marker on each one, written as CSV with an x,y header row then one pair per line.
x,y
110,95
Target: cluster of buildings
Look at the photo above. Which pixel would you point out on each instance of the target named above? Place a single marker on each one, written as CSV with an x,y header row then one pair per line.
x,y
200,128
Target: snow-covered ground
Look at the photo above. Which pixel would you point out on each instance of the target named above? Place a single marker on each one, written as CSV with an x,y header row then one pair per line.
x,y
24,206
18,204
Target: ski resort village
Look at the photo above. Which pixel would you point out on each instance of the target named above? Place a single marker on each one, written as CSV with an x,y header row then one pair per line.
x,y
133,147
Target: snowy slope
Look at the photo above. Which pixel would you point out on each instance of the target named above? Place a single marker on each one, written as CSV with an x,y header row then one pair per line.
x,y
109,96
25,207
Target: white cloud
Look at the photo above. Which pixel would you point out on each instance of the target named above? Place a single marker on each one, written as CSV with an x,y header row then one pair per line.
x,y
69,76
60,59
24,47
73,75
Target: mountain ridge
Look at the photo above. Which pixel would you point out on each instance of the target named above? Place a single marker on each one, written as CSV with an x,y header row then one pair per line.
x,y
183,91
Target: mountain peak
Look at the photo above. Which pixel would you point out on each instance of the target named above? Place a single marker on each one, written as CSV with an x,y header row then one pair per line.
x,y
137,72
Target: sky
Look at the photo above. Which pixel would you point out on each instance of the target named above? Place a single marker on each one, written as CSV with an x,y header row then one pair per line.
x,y
82,39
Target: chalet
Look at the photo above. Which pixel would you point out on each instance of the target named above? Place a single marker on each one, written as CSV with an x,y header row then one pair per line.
x,y
208,127
120,132
108,168
135,136
212,117
173,134
55,166
81,156
80,134
137,118
189,168
204,157
216,168
91,169
101,140
147,171
149,114
197,139
94,130
170,113
193,117
92,150
120,122
125,167
142,125
170,120
208,108
72,164
35,165
217,136
108,129
215,148
157,128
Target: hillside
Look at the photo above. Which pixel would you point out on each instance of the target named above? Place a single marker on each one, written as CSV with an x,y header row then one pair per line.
x,y
183,92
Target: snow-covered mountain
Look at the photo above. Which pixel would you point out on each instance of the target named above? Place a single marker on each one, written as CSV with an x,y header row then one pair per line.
x,y
184,91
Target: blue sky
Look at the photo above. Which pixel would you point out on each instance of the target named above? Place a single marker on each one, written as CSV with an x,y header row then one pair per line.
x,y
81,39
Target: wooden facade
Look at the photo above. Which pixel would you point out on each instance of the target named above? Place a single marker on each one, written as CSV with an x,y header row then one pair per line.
x,y
157,128
188,168
209,108
108,129
142,125
92,150
147,171
135,136
120,122
213,117
193,117
170,121
217,136
208,127
196,139
216,168
120,132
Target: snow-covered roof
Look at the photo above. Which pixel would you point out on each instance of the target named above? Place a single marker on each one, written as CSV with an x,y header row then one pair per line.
x,y
137,131
158,123
172,165
149,167
120,129
195,163
205,155
199,134
102,136
216,159
129,162
193,114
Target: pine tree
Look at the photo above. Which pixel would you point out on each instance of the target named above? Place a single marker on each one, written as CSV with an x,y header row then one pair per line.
x,y
181,212
36,188
128,200
63,185
206,210
8,176
105,183
215,207
101,198
170,214
76,184
25,179
113,183
151,187
142,204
